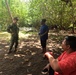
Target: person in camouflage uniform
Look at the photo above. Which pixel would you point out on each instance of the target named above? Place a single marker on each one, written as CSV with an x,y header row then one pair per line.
x,y
13,30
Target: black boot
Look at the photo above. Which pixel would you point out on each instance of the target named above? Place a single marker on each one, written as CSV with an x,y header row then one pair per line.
x,y
44,50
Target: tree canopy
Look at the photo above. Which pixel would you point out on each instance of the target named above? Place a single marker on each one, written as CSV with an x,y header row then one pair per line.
x,y
30,12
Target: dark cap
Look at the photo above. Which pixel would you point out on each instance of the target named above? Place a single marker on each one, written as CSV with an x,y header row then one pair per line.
x,y
15,18
43,20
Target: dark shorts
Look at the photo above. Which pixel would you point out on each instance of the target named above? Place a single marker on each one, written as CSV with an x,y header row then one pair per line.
x,y
43,43
51,71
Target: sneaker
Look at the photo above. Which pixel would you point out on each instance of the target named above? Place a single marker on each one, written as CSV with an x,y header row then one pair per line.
x,y
44,71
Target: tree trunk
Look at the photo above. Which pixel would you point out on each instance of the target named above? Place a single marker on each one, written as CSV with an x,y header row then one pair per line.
x,y
72,9
8,8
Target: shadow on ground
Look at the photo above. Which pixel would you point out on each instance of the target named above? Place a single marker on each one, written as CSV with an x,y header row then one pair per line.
x,y
28,60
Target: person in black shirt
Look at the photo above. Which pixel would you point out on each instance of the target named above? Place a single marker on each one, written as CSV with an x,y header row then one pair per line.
x,y
43,35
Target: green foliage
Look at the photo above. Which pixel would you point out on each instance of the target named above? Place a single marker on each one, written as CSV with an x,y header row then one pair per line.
x,y
30,13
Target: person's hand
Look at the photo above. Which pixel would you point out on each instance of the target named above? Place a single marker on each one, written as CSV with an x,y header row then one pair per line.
x,y
48,54
45,57
51,53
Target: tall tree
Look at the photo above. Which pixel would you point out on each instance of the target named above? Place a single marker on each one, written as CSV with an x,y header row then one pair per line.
x,y
8,8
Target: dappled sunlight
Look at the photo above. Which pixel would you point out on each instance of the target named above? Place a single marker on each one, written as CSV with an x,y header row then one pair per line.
x,y
29,74
4,35
37,46
21,35
29,64
28,57
19,55
26,60
7,46
53,45
33,53
6,56
30,44
2,42
50,46
3,32
22,44
0,49
1,72
54,34
24,0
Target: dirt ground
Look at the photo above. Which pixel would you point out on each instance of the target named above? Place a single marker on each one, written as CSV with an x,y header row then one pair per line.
x,y
28,60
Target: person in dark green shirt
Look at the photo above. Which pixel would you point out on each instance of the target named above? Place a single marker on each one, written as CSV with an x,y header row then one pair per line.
x,y
13,30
